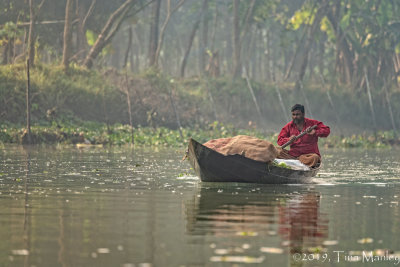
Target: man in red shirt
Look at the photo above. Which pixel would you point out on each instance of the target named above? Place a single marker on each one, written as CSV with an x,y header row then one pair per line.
x,y
305,148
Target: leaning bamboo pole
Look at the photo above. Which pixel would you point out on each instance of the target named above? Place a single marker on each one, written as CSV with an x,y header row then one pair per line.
x,y
178,121
305,99
284,112
371,105
389,107
331,104
28,103
211,100
253,95
128,100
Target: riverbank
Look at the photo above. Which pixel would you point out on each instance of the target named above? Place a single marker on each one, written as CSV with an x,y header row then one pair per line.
x,y
158,101
94,133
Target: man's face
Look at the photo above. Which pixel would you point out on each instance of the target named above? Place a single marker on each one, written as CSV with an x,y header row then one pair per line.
x,y
297,116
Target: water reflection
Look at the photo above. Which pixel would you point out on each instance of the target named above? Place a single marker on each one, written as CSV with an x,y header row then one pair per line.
x,y
301,222
303,225
276,219
27,217
60,206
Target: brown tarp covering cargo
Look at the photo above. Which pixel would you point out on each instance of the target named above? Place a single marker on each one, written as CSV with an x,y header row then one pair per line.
x,y
248,146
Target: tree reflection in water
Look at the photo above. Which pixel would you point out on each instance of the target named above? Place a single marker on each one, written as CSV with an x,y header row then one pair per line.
x,y
259,215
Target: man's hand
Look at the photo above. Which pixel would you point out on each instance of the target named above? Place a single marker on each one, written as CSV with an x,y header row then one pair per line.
x,y
293,137
312,132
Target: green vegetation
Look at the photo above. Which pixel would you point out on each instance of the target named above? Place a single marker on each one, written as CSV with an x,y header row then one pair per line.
x,y
83,95
88,106
280,165
383,139
344,68
99,133
56,94
118,134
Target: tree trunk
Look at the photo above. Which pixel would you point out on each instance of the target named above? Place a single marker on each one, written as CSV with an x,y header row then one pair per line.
x,y
28,102
227,47
155,17
214,30
371,105
249,49
128,48
270,56
284,112
5,54
204,38
321,51
163,28
67,35
293,58
322,10
106,33
82,45
128,100
236,37
132,60
114,58
389,107
344,57
11,50
138,49
311,63
178,121
31,38
211,100
254,97
305,99
189,47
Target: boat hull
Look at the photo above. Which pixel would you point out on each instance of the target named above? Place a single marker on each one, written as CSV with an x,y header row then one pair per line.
x,y
212,166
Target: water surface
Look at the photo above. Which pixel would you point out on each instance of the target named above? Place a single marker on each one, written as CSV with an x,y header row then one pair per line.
x,y
63,206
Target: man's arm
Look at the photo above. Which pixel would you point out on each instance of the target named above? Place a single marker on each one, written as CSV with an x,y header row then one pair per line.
x,y
284,136
322,130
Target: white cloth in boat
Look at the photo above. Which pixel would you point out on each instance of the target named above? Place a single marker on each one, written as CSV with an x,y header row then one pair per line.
x,y
293,164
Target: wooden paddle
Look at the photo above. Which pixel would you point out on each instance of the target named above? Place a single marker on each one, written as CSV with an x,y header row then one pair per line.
x,y
309,129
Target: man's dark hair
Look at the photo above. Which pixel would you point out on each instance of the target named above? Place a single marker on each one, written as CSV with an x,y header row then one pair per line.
x,y
298,107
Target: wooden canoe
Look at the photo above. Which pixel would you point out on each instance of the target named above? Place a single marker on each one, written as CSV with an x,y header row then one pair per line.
x,y
212,166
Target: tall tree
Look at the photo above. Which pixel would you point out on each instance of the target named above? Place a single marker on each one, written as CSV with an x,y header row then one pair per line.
x,y
32,30
236,38
67,34
321,12
128,47
369,40
83,14
108,32
153,40
239,33
31,38
204,38
189,45
164,26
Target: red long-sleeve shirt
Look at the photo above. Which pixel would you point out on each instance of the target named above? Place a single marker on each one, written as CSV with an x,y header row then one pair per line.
x,y
307,143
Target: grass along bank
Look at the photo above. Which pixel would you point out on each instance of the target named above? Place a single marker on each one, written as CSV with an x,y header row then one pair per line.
x,y
94,133
101,96
99,133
